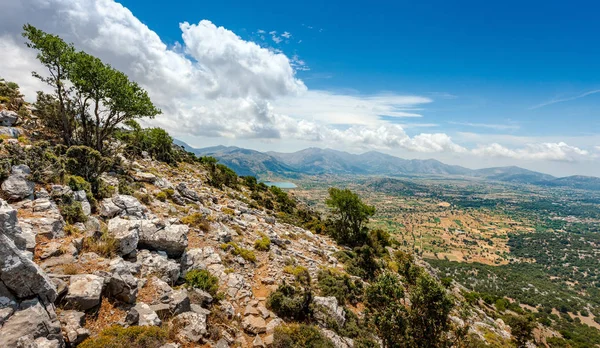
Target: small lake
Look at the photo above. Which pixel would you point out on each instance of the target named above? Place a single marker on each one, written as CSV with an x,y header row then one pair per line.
x,y
281,184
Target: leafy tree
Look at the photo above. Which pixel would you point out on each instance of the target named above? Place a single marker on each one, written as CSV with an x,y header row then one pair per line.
x,y
429,310
350,216
385,311
521,328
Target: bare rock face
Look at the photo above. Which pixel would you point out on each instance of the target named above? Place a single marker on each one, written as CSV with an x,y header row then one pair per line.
x,y
80,196
327,307
126,232
144,177
187,193
254,325
85,291
8,118
156,235
32,321
16,186
10,226
72,324
192,327
122,285
22,276
141,314
122,205
153,263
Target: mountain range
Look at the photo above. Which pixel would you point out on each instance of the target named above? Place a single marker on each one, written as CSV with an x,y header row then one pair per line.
x,y
317,161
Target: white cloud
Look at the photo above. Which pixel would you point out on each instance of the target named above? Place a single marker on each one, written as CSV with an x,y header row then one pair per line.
x,y
215,84
488,125
560,100
540,151
260,31
286,34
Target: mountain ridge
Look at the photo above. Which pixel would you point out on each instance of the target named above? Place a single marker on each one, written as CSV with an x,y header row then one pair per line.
x,y
319,161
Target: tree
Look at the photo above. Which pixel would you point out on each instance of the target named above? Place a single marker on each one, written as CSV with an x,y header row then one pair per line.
x,y
57,56
430,307
385,310
99,98
521,328
350,216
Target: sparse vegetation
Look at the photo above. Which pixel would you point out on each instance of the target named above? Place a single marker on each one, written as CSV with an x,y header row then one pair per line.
x,y
130,337
202,279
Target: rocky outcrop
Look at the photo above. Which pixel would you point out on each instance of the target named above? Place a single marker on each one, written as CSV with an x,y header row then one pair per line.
x,y
22,276
187,193
72,325
192,327
84,292
328,307
16,186
32,321
156,235
126,232
122,205
141,314
253,324
153,263
8,118
121,283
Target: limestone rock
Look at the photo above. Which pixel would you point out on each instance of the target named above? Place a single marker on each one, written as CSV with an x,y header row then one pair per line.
x,y
72,324
153,263
187,193
144,177
16,186
123,286
10,227
254,325
155,235
129,206
193,327
328,308
21,275
85,291
141,314
34,320
126,232
8,118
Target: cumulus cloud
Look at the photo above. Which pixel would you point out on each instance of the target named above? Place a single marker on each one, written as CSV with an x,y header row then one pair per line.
x,y
215,84
540,151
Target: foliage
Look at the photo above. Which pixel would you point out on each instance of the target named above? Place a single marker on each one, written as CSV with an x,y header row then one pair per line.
x,y
104,244
521,328
429,310
350,216
155,141
300,336
202,279
364,264
236,250
340,285
87,163
291,301
10,96
72,212
407,267
196,220
90,98
383,299
130,337
262,244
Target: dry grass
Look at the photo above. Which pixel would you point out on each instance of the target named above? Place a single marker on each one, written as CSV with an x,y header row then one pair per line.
x,y
106,316
147,294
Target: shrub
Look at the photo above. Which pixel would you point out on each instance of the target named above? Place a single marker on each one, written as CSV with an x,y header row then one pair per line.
x,y
386,312
236,250
262,244
350,217
72,212
300,336
131,337
290,301
87,163
339,285
202,279
197,220
143,197
161,196
105,190
77,183
104,245
300,273
364,263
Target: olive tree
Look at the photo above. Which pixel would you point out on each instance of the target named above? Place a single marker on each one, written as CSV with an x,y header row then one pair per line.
x,y
350,216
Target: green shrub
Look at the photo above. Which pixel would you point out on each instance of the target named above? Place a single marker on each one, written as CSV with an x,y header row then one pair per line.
x,y
130,337
161,196
300,336
339,285
262,244
77,183
105,190
104,245
197,220
72,212
143,197
236,250
291,302
202,279
87,163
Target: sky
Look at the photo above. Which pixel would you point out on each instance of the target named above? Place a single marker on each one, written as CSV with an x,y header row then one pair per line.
x,y
474,83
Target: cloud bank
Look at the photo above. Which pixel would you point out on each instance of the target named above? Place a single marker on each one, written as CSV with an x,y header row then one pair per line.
x,y
215,84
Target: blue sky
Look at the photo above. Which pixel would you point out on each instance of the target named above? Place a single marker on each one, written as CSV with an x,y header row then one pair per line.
x,y
496,60
473,83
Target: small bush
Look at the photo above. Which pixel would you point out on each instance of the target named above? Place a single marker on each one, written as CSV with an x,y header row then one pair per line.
x,y
161,196
131,337
105,190
77,183
143,197
290,302
73,212
300,336
339,285
262,244
300,273
228,211
197,220
87,163
202,279
105,245
236,250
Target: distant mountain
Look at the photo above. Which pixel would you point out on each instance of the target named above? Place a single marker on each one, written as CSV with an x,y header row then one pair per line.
x,y
316,161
